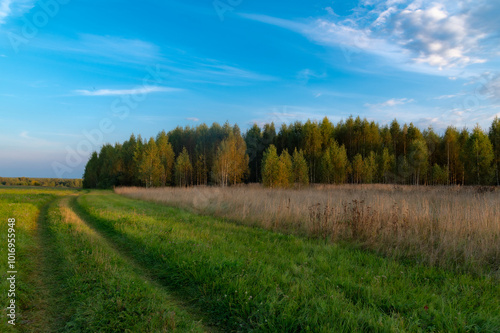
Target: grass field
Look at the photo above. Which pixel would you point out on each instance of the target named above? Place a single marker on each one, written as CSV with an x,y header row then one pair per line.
x,y
97,261
452,227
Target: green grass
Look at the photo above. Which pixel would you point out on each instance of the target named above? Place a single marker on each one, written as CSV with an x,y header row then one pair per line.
x,y
119,265
248,279
24,205
99,291
70,279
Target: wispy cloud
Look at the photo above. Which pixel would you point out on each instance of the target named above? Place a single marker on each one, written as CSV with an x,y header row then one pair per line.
x,y
448,96
192,119
118,51
24,137
306,74
105,48
119,92
212,71
291,113
391,102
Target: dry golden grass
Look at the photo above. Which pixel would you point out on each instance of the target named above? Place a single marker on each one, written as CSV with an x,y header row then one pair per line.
x,y
457,227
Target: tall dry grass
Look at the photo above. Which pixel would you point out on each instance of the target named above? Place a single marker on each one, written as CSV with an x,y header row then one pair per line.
x,y
454,227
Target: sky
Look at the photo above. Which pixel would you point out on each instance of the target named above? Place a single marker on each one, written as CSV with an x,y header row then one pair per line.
x,y
77,74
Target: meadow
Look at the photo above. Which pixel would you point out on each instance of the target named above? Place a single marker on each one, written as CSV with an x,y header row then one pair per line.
x,y
451,227
98,261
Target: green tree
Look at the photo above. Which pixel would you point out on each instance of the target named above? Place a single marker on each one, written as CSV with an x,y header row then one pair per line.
x,y
494,135
370,168
357,168
433,142
327,130
479,151
335,165
110,167
150,167
386,165
439,175
300,169
167,158
418,157
452,154
91,174
395,131
129,176
270,167
463,138
138,150
183,168
312,147
285,170
201,170
255,151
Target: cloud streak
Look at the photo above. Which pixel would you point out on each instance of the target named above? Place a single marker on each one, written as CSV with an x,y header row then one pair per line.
x,y
121,92
392,102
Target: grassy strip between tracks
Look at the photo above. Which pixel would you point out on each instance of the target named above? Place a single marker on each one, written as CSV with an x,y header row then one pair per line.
x,y
250,279
94,289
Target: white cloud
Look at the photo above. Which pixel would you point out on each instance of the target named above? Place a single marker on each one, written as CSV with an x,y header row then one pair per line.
x,y
418,35
437,37
120,92
193,119
4,10
391,102
10,8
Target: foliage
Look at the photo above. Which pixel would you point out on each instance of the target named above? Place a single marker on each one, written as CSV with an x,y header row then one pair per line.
x,y
352,151
300,169
183,168
231,162
480,156
270,167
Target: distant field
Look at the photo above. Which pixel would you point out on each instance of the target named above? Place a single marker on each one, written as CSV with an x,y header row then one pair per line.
x,y
94,261
451,227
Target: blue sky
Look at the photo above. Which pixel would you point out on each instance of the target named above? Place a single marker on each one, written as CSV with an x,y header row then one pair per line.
x,y
77,74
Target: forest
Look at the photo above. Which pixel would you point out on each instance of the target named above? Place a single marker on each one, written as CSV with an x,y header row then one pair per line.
x,y
354,151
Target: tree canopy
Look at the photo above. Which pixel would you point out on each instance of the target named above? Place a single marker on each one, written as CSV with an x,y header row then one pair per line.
x,y
351,151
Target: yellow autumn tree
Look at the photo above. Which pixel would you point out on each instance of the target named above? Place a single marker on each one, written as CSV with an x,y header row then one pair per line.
x,y
231,162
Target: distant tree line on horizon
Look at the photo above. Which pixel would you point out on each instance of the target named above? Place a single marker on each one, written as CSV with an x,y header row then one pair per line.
x,y
45,182
352,151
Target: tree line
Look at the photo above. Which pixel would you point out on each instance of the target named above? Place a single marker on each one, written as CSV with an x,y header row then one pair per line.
x,y
45,182
354,150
